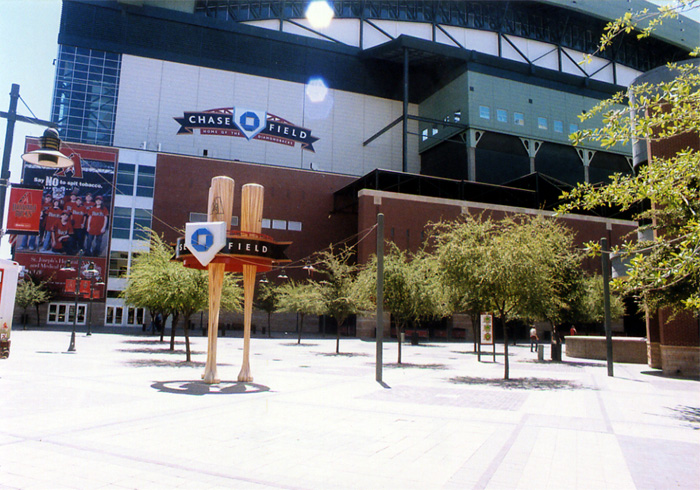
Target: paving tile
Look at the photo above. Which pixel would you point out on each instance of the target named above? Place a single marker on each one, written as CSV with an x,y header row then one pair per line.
x,y
109,416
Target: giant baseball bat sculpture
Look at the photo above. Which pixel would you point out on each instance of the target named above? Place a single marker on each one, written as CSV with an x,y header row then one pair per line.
x,y
220,208
251,222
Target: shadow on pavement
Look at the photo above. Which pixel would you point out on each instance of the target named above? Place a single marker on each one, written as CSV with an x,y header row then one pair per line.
x,y
411,365
342,354
153,342
164,363
164,350
661,374
688,414
521,383
200,388
600,364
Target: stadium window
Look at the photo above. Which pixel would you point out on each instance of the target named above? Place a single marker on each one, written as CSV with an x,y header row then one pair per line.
x,y
502,115
294,225
558,127
573,128
265,223
457,115
424,135
118,264
518,119
145,182
279,224
542,123
121,223
142,221
484,112
198,217
125,179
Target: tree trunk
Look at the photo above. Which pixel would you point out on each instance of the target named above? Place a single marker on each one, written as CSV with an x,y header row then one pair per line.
x,y
337,339
301,327
24,319
172,331
398,341
38,321
269,328
162,327
475,331
188,353
506,373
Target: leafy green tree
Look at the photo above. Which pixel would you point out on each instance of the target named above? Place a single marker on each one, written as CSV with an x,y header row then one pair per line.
x,y
664,270
463,290
267,299
303,298
338,289
160,285
31,292
412,290
514,262
590,307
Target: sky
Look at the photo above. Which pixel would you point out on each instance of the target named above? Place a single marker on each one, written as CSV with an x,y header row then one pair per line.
x,y
28,48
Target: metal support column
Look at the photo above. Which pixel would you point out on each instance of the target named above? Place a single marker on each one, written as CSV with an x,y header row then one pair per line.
x,y
379,334
9,135
404,165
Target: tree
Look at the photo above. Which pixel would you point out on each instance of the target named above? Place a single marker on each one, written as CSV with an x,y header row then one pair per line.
x,y
412,290
338,289
164,286
303,298
31,292
665,270
267,299
513,261
590,307
463,290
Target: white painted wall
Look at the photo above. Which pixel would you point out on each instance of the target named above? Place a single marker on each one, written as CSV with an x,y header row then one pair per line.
x,y
153,93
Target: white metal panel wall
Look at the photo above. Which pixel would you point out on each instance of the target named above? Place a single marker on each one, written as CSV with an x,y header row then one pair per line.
x,y
153,93
539,53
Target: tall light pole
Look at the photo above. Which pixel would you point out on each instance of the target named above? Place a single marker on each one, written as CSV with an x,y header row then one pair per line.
x,y
90,271
48,156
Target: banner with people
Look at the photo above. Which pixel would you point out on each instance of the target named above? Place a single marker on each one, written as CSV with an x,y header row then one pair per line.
x,y
76,209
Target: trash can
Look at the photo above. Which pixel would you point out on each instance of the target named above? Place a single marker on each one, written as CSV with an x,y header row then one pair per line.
x,y
9,272
540,352
556,352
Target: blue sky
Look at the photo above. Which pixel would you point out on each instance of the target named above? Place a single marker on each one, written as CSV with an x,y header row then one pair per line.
x,y
28,47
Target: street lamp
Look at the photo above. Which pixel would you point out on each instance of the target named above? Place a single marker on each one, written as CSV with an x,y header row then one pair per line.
x,y
47,156
90,271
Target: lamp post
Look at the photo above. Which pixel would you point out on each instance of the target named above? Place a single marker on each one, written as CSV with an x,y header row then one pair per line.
x,y
88,272
95,280
47,156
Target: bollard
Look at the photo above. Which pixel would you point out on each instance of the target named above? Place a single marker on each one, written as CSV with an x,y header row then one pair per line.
x,y
540,352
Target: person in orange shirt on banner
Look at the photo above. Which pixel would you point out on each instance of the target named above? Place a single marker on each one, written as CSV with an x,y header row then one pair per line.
x,y
97,220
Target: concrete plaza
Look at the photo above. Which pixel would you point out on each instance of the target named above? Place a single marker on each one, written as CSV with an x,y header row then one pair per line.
x,y
124,412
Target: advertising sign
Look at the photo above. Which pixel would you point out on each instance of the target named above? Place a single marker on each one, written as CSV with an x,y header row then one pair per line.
x,y
24,212
75,212
205,240
487,329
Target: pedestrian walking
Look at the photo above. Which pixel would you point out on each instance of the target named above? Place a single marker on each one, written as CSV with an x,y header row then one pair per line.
x,y
533,339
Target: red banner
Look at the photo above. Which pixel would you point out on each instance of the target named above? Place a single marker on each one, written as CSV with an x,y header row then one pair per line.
x,y
70,285
85,287
24,211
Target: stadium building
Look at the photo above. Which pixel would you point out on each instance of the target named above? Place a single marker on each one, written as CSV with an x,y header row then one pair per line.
x,y
419,109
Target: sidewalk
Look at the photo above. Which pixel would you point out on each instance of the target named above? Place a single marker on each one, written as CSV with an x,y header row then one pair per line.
x,y
123,412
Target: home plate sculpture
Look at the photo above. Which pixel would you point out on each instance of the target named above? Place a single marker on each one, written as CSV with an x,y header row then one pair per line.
x,y
212,246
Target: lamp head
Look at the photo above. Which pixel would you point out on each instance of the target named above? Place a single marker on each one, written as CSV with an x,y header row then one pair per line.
x,y
48,155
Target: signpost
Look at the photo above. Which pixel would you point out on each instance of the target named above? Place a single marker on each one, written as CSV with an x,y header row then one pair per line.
x,y
486,330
